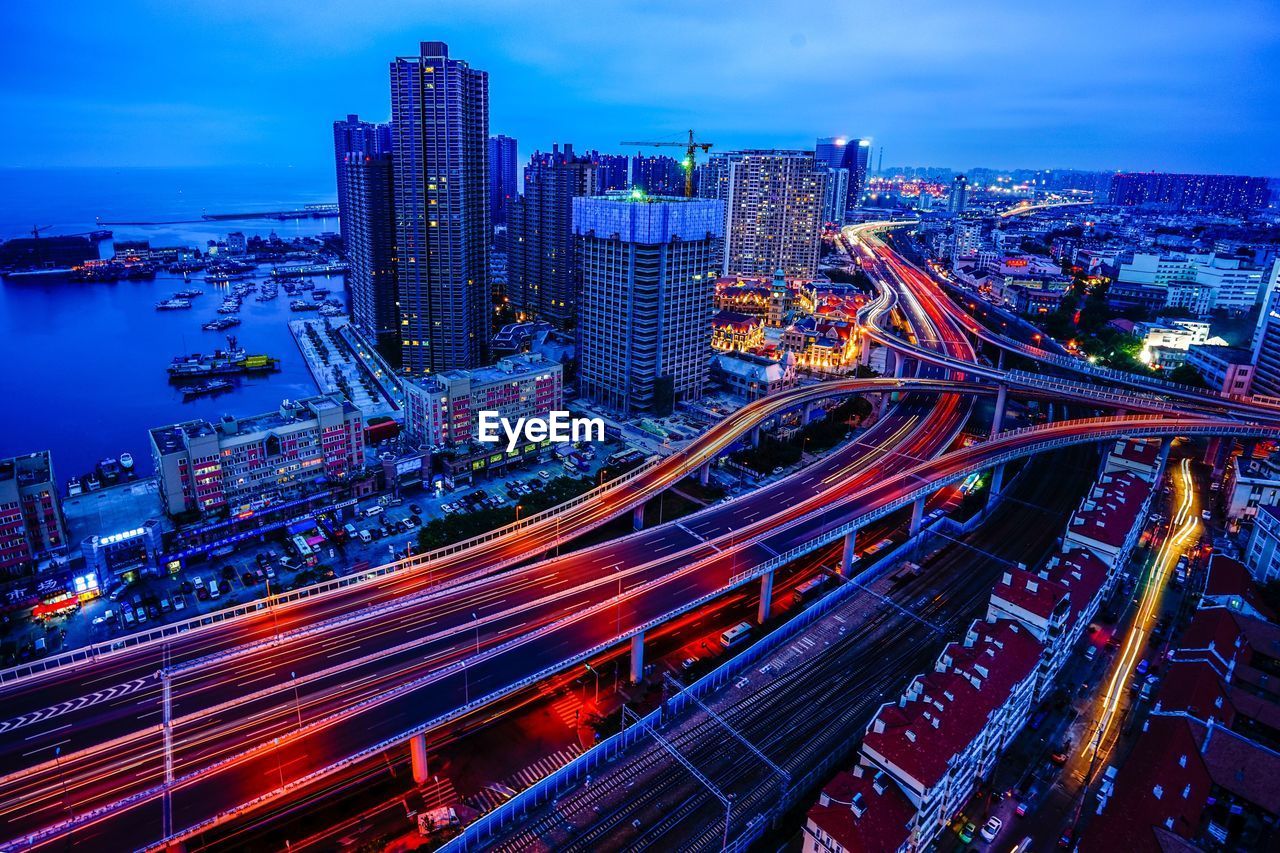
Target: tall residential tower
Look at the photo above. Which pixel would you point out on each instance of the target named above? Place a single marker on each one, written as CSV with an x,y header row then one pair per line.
x,y
370,225
502,177
440,138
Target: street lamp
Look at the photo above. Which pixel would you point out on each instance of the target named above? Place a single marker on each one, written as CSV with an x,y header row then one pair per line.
x,y
518,508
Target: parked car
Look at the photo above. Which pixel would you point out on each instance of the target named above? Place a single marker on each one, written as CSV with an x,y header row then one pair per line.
x,y
967,832
991,829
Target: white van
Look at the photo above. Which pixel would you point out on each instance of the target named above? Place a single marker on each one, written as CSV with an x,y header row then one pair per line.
x,y
365,537
372,511
213,589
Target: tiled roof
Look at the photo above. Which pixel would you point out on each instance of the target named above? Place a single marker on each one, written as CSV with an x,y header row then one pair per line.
x,y
880,823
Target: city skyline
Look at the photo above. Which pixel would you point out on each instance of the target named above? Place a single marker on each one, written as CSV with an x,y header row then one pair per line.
x,y
929,91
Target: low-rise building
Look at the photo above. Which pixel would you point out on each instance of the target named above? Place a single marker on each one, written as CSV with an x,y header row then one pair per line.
x,y
1139,456
826,346
950,726
734,332
753,376
1227,370
859,812
31,524
1248,484
442,410
1107,521
241,465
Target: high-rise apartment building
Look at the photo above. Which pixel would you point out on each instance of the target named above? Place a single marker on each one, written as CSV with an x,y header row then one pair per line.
x,y
246,464
1266,340
959,195
773,209
31,522
542,271
440,135
353,136
649,267
371,251
1212,193
502,177
835,196
657,175
611,171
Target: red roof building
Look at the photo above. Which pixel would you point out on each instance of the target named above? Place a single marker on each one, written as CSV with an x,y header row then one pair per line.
x,y
1107,521
859,812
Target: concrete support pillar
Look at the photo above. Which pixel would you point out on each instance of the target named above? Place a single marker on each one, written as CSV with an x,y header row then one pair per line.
x,y
637,518
418,759
637,658
704,473
1000,358
1250,445
847,556
809,409
1050,414
755,436
1214,453
1165,446
917,515
766,598
1002,401
997,482
899,362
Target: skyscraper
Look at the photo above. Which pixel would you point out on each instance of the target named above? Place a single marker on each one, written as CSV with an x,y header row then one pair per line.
x,y
959,195
502,177
838,152
1216,193
657,175
649,267
353,136
542,278
773,211
835,196
440,133
371,251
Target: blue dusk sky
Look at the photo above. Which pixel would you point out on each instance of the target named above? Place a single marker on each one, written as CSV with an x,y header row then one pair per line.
x,y
1126,84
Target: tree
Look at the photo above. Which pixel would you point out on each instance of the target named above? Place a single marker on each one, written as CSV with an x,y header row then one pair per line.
x,y
1187,375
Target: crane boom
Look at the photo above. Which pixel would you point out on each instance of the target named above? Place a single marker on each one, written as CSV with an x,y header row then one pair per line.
x,y
690,156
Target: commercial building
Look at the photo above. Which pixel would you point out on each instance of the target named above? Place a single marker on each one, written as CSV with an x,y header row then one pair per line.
x,y
241,465
502,177
734,332
542,276
1208,193
442,410
825,346
440,130
369,230
835,196
1198,283
31,523
773,213
771,299
351,136
649,266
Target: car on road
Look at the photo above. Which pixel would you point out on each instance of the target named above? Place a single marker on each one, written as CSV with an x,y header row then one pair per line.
x,y
415,509
1205,514
1143,665
967,832
991,829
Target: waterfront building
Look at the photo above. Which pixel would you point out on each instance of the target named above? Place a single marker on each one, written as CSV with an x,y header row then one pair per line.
x,y
440,129
773,213
32,527
371,251
657,175
442,410
351,136
1181,192
502,177
649,268
242,465
542,269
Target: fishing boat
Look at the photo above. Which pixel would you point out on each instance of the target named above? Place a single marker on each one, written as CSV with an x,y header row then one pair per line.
x,y
221,324
300,305
126,461
212,386
173,304
188,294
232,361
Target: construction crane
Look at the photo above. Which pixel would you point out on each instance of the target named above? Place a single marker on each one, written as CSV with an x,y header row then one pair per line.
x,y
690,157
36,229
